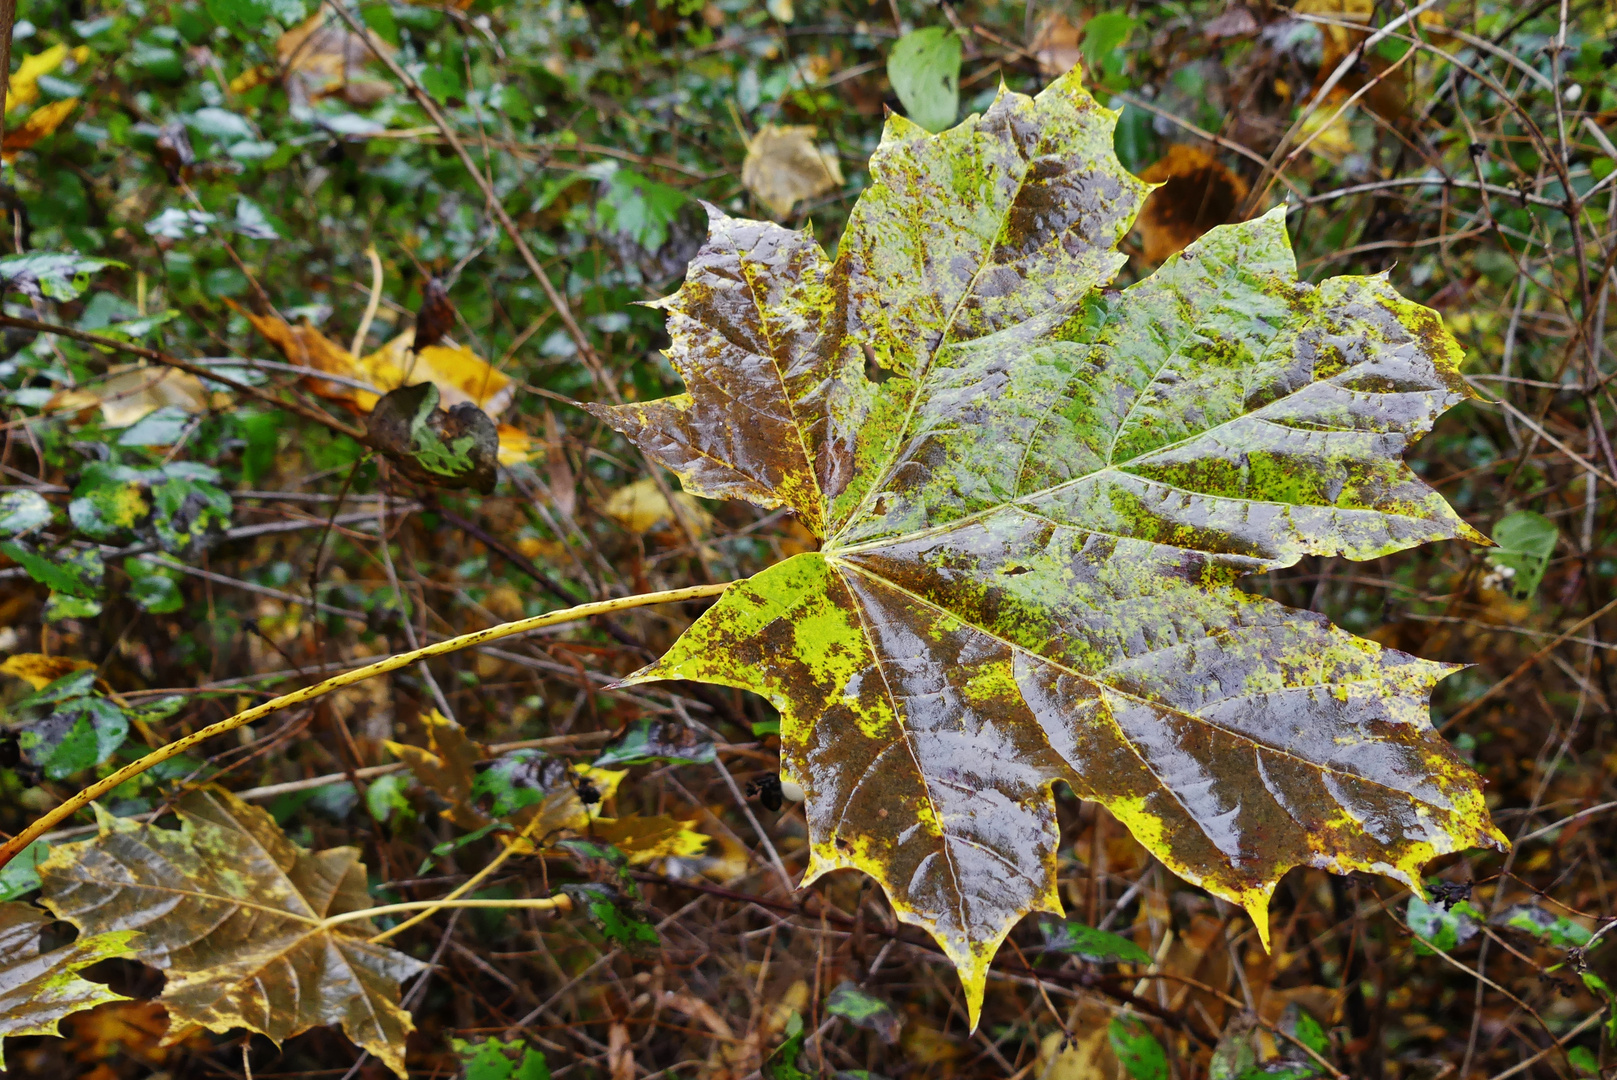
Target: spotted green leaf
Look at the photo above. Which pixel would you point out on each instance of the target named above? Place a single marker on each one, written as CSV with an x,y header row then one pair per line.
x,y
37,990
1036,499
1442,928
864,1010
1556,930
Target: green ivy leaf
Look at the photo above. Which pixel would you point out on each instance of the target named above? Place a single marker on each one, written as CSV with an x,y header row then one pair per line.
x,y
1036,500
20,876
616,916
1067,936
1137,1050
924,70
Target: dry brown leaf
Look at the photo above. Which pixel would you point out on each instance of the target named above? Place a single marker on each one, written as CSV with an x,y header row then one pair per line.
x,y
784,167
1236,22
1197,193
131,1028
1088,1057
39,670
235,915
130,393
1056,46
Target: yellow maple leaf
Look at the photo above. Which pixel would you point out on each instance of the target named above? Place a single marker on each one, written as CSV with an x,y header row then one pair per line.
x,y
41,122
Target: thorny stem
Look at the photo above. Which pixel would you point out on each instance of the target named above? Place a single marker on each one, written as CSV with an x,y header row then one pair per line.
x,y
44,824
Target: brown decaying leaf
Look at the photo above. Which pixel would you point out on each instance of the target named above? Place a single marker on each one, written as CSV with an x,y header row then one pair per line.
x,y
784,167
1056,46
436,316
174,151
234,913
320,58
456,447
37,990
1197,193
41,122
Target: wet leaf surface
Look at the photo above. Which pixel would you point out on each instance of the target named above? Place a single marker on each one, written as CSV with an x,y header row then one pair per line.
x,y
1036,499
233,913
37,990
453,448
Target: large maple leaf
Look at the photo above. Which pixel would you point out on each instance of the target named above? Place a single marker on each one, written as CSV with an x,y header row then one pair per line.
x,y
1036,499
236,916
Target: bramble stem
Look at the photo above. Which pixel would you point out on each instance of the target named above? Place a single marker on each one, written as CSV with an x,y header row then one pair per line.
x,y
44,824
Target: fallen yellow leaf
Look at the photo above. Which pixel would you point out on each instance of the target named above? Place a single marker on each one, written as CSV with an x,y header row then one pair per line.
x,y
39,670
645,839
640,507
41,122
23,87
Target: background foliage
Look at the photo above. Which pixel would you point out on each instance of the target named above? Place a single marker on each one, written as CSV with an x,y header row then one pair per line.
x,y
194,549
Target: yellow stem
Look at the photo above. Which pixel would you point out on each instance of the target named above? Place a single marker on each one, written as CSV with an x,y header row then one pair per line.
x,y
470,884
40,827
371,305
538,903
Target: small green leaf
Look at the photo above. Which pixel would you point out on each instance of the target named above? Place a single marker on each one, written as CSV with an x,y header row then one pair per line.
x,y
1137,1050
782,1064
924,70
614,915
152,586
1526,544
1235,1052
21,875
864,1010
23,511
1556,930
454,449
1584,1060
51,275
493,1059
78,734
1300,1024
1068,936
1102,47
386,796
647,740
640,209
74,572
1440,929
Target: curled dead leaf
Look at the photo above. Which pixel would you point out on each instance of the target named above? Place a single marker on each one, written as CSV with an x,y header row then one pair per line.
x,y
1198,192
784,167
451,448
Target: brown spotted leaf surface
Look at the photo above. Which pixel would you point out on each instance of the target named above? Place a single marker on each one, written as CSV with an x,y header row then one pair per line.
x,y
38,989
235,915
1036,498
